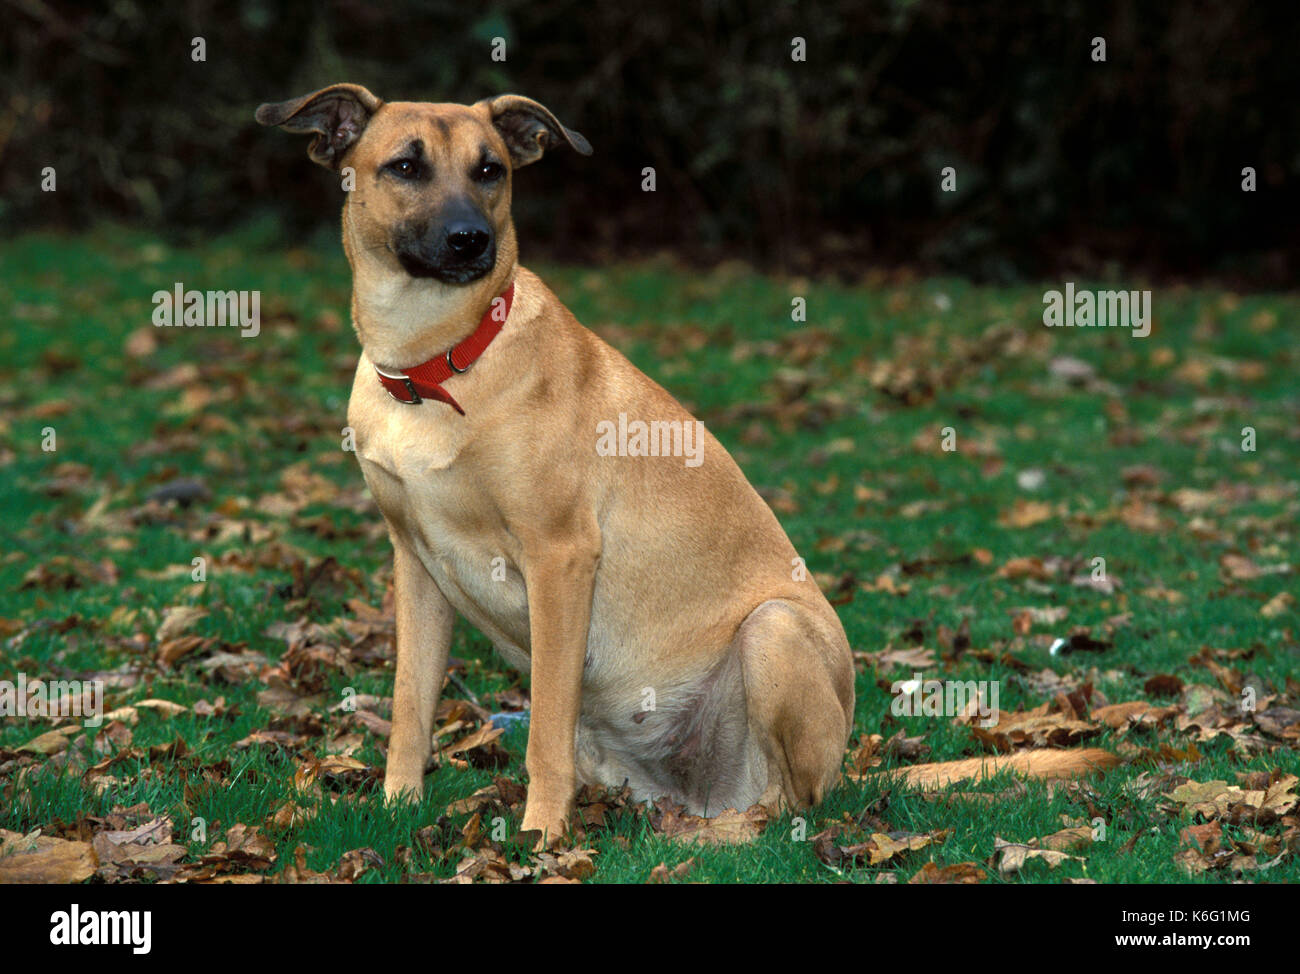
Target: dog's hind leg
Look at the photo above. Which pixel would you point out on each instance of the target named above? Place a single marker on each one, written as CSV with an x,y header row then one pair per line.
x,y
799,691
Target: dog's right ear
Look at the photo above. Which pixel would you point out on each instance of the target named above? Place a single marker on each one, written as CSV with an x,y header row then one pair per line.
x,y
337,114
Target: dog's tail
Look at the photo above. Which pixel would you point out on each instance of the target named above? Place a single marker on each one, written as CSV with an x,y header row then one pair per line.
x,y
1045,763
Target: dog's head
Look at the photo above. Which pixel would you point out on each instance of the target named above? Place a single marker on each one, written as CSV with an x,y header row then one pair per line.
x,y
430,183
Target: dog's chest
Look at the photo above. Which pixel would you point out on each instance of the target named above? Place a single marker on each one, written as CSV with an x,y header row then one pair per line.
x,y
437,503
402,442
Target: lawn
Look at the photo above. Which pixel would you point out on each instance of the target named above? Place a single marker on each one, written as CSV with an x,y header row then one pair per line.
x,y
264,758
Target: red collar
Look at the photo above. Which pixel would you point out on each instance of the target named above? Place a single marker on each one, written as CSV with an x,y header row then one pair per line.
x,y
424,381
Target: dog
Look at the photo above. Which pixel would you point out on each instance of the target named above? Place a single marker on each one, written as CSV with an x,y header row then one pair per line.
x,y
674,641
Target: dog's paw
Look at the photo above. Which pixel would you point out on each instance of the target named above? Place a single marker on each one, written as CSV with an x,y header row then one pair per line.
x,y
548,830
397,793
533,838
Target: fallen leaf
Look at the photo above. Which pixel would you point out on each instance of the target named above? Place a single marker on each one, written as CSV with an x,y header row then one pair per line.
x,y
357,861
918,658
289,816
965,873
730,827
1277,605
572,864
1068,840
1025,514
1024,568
164,707
479,749
177,619
1163,684
1218,799
877,848
1132,713
1034,728
172,651
51,742
146,851
244,846
662,874
1012,856
36,858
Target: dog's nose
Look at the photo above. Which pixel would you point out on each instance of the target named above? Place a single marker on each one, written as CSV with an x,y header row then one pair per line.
x,y
467,240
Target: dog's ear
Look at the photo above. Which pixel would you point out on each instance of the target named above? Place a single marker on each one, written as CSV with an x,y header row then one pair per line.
x,y
337,114
529,129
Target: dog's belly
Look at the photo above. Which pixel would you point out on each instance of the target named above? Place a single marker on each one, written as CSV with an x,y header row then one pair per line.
x,y
689,739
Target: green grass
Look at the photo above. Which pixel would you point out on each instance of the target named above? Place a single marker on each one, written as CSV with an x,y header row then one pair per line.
x,y
837,420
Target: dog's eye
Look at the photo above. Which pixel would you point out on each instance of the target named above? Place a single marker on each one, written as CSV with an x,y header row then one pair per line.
x,y
404,168
489,172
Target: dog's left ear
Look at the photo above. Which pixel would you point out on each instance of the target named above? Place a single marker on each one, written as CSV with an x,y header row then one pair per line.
x,y
529,129
337,114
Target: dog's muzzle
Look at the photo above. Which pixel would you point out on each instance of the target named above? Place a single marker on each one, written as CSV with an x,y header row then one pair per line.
x,y
458,251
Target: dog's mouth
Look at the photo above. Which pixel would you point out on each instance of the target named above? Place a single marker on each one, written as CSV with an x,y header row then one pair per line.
x,y
445,271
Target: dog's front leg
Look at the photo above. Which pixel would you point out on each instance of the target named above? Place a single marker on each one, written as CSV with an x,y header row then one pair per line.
x,y
560,581
424,621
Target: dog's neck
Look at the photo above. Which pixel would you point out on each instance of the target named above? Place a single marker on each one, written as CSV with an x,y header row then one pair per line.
x,y
402,321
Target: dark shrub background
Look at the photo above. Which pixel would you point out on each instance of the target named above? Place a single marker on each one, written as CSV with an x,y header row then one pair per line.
x,y
1063,164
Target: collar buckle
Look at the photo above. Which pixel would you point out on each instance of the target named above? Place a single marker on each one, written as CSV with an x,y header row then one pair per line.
x,y
435,371
405,379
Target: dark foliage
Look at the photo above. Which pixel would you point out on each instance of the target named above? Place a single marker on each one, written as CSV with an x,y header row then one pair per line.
x,y
1062,163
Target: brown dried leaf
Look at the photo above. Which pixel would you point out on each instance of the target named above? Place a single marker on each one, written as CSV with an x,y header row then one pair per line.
x,y
144,851
661,874
36,858
1025,514
177,619
728,828
243,846
1025,568
1012,856
966,873
51,742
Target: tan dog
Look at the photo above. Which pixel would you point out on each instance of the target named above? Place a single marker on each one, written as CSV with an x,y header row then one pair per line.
x,y
654,600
